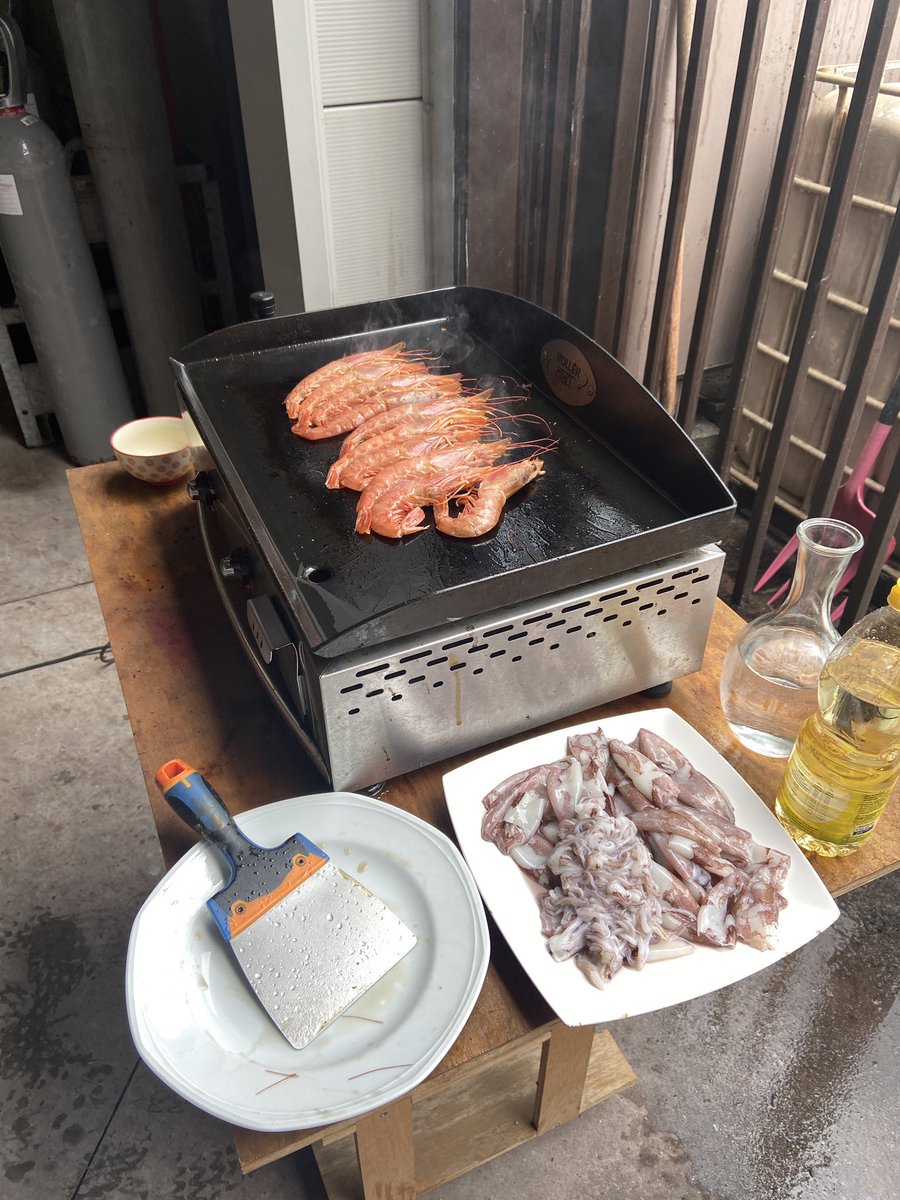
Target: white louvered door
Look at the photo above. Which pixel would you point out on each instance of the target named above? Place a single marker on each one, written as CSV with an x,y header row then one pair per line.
x,y
369,59
346,78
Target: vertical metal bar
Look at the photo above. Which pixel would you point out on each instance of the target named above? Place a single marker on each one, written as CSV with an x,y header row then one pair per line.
x,y
846,171
209,189
525,179
600,67
493,180
875,550
659,17
534,150
732,157
18,392
682,165
546,196
809,45
461,142
573,121
542,154
440,51
869,346
627,153
559,137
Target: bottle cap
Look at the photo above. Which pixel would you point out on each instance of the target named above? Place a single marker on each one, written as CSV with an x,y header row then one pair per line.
x,y
894,596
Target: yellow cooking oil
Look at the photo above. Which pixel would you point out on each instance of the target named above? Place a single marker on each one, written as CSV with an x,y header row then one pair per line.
x,y
846,759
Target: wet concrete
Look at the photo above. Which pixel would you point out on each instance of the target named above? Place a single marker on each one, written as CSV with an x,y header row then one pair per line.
x,y
79,854
783,1087
803,1057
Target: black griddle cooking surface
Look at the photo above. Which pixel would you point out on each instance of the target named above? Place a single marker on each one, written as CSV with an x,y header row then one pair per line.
x,y
594,512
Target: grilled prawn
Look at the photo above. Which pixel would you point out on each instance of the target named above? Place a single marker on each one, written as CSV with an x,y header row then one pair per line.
x,y
400,510
451,469
416,414
359,473
318,408
366,403
482,509
357,467
349,367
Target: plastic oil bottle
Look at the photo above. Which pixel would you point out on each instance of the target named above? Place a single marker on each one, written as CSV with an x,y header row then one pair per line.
x,y
846,760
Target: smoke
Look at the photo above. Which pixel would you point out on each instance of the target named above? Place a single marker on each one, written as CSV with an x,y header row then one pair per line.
x,y
381,315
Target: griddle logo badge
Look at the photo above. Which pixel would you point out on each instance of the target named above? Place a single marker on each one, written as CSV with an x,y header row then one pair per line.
x,y
568,373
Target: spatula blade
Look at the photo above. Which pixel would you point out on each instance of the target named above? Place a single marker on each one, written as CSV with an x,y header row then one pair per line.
x,y
318,950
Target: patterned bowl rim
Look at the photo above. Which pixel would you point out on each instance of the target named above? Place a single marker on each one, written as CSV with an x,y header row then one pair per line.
x,y
153,453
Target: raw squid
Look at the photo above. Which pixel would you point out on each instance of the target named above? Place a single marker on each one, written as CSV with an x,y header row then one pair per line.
x,y
694,789
637,854
646,776
605,911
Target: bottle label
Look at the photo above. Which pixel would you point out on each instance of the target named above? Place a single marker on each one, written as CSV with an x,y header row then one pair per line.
x,y
827,811
10,204
869,811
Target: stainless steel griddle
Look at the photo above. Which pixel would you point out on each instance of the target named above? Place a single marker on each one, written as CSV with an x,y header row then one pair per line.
x,y
384,655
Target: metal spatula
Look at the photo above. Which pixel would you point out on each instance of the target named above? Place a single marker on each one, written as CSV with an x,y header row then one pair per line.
x,y
310,939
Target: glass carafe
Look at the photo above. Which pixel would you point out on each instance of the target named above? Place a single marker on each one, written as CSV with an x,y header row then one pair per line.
x,y
768,685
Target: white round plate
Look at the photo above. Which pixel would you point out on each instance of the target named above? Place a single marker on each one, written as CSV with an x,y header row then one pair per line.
x,y
197,1024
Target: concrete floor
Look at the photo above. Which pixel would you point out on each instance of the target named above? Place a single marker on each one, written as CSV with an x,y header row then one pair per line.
x,y
783,1086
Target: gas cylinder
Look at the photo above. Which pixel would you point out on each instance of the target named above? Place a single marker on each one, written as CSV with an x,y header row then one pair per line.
x,y
51,267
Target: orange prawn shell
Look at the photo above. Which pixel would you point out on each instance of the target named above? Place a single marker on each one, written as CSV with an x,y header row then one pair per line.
x,y
362,468
330,371
355,387
455,426
482,511
345,419
436,466
412,411
399,511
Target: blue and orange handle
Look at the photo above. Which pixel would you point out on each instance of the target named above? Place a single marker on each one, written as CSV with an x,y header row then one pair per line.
x,y
259,877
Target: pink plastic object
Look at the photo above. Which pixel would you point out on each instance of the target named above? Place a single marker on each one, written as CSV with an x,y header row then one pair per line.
x,y
849,503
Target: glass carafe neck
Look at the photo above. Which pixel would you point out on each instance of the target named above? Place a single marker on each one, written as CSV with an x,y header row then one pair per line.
x,y
824,552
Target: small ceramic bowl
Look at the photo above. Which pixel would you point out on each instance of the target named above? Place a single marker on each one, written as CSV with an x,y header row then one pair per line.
x,y
154,449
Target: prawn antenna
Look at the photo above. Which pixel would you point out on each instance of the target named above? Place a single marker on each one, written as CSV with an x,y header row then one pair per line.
x,y
538,446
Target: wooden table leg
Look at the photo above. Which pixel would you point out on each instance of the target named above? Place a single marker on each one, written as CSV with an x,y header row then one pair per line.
x,y
564,1065
387,1161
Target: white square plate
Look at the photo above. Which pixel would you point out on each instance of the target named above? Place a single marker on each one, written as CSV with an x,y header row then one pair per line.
x,y
510,895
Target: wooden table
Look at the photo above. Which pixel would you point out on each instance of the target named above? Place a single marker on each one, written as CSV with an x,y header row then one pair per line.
x,y
190,693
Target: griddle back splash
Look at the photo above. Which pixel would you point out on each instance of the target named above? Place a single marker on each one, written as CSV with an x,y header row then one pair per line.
x,y
625,486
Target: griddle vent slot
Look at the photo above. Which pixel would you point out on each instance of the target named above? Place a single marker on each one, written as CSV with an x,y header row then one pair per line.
x,y
517,647
513,671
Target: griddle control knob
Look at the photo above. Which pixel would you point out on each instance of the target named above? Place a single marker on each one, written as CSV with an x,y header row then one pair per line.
x,y
236,565
201,488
